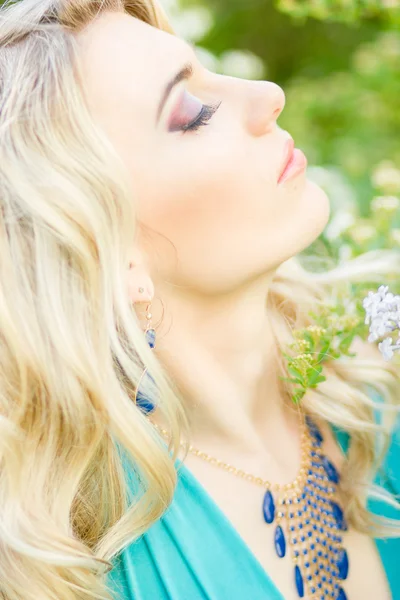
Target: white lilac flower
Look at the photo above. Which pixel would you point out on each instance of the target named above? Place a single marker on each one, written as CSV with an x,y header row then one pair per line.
x,y
370,304
382,314
375,303
386,348
383,290
379,327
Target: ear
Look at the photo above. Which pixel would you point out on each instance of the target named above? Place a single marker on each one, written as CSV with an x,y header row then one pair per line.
x,y
139,279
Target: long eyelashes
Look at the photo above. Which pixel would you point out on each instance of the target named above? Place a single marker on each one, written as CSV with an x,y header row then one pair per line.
x,y
203,118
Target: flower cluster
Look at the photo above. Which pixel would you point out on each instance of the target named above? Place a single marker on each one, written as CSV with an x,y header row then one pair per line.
x,y
382,310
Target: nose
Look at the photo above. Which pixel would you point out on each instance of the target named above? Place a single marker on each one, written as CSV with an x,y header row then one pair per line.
x,y
266,101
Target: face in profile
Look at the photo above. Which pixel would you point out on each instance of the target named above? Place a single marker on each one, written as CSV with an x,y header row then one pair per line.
x,y
204,155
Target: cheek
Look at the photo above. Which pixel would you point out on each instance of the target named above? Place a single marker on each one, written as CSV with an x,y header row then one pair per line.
x,y
204,185
198,211
190,207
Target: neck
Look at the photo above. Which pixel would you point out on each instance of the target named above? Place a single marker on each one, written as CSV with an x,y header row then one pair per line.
x,y
222,354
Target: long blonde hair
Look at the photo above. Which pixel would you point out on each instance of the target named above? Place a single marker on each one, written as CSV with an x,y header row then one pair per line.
x,y
72,349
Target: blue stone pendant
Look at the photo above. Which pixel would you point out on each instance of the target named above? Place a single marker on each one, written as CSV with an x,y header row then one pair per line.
x,y
143,401
145,404
268,507
338,514
299,581
330,469
341,595
343,564
280,542
151,337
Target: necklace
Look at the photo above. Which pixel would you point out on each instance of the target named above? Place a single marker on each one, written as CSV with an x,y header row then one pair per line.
x,y
307,516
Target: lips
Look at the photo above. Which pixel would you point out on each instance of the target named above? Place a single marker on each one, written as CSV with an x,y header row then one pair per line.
x,y
294,162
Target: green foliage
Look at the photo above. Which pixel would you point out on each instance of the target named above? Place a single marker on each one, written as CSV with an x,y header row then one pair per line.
x,y
351,119
341,10
330,337
374,226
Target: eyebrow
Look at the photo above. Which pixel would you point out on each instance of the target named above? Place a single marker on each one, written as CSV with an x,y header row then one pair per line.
x,y
185,73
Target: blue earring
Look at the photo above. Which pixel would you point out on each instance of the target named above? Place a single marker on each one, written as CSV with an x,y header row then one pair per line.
x,y
141,400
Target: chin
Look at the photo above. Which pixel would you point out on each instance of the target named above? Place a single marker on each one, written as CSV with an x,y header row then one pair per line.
x,y
309,217
314,210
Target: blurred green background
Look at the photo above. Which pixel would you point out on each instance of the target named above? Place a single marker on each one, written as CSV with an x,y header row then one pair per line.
x,y
339,64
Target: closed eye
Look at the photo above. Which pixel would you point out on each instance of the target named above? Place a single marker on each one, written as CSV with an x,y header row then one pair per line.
x,y
205,115
189,114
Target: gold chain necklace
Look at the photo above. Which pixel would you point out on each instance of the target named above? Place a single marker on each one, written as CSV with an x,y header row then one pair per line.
x,y
293,487
306,514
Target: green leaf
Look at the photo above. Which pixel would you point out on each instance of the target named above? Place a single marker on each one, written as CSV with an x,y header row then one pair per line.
x,y
314,376
324,351
298,396
319,380
295,372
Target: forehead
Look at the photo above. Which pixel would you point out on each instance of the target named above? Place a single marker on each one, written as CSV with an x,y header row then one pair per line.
x,y
127,63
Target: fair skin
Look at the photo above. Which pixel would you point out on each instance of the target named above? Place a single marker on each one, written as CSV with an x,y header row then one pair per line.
x,y
214,224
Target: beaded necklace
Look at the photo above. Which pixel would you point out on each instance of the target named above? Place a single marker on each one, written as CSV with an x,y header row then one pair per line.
x,y
307,517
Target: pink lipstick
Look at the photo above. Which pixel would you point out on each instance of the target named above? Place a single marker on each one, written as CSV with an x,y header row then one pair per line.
x,y
295,162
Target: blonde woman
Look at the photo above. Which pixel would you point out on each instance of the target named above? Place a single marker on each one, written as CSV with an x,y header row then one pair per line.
x,y
149,209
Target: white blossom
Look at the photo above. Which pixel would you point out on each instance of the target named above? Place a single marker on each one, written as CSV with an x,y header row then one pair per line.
x,y
386,348
371,304
383,290
381,325
382,314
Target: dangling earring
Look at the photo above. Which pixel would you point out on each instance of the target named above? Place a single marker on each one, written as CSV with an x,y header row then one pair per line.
x,y
141,400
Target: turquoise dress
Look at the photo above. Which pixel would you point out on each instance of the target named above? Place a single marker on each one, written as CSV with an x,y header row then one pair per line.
x,y
194,553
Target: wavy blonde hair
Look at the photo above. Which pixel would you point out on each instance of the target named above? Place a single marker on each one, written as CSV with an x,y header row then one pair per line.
x,y
72,349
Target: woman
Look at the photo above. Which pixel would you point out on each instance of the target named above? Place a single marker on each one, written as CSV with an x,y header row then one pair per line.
x,y
131,176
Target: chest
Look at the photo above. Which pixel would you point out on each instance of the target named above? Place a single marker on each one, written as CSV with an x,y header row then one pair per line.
x,y
241,503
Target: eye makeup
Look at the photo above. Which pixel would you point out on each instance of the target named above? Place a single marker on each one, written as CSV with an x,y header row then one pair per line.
x,y
203,118
189,114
